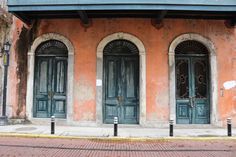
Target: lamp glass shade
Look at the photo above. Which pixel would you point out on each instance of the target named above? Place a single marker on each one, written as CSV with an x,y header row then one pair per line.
x,y
7,47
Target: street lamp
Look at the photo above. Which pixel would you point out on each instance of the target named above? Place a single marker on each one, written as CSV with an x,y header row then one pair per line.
x,y
6,48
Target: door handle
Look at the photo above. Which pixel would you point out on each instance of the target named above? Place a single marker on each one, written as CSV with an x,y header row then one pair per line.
x,y
192,101
50,94
119,99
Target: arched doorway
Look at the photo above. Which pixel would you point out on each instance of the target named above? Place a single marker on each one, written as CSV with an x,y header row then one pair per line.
x,y
50,80
192,83
121,82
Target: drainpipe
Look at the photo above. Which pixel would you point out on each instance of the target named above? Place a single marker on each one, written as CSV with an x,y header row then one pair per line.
x,y
3,118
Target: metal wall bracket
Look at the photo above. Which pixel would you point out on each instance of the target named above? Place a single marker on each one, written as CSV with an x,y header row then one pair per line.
x,y
84,18
158,21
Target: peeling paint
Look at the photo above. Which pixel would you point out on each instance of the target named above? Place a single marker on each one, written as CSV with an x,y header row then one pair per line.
x,y
229,84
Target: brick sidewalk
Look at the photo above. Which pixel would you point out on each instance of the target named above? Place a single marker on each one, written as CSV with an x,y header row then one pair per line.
x,y
27,147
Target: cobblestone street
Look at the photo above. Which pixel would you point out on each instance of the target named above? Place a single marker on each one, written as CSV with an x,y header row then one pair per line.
x,y
27,147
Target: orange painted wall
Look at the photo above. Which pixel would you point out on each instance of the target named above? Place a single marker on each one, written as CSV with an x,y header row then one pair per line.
x,y
156,42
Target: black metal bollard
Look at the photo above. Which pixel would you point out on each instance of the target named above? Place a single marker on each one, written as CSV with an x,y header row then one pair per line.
x,y
229,126
53,125
171,127
115,126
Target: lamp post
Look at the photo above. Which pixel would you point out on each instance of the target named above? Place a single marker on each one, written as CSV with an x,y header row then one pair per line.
x,y
3,118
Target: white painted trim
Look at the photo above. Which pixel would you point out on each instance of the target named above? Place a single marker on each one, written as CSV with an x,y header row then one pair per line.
x,y
70,73
142,77
213,74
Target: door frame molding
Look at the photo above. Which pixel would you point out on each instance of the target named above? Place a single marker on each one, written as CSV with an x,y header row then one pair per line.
x,y
142,74
212,71
31,68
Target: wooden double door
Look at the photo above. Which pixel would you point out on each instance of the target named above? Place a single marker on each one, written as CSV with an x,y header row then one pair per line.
x,y
121,96
192,90
50,86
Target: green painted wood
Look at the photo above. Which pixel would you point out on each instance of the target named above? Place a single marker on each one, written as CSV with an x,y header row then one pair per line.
x,y
56,5
183,111
50,87
201,111
192,90
24,9
107,2
42,87
59,82
29,10
121,96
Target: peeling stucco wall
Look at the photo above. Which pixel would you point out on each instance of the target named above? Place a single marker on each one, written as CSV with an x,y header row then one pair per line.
x,y
23,36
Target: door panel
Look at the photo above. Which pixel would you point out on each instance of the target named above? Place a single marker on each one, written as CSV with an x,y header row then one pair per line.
x,y
112,78
183,113
200,78
60,75
192,95
182,76
201,112
121,89
50,87
130,79
59,87
130,90
201,93
112,88
42,108
43,76
42,81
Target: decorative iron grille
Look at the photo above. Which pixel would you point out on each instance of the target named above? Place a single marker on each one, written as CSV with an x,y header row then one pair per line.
x,y
191,47
120,47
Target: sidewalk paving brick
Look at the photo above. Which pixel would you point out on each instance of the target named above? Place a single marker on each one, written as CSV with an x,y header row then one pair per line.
x,y
29,147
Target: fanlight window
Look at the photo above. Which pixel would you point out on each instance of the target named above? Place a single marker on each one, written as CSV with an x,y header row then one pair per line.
x,y
191,47
52,48
120,47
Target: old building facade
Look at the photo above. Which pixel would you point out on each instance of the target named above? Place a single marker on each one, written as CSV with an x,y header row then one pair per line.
x,y
144,67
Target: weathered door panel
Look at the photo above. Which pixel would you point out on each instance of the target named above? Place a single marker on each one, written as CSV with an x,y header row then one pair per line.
x,y
42,87
201,90
130,82
112,88
192,95
121,89
59,87
201,112
183,112
50,87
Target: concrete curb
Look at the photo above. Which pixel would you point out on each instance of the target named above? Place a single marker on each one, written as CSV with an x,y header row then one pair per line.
x,y
132,139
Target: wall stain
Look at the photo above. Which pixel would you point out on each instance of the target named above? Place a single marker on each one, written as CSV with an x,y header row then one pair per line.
x,y
26,37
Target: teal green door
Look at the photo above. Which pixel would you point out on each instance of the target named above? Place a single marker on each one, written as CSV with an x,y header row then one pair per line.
x,y
121,83
50,81
192,94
